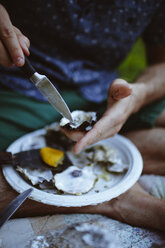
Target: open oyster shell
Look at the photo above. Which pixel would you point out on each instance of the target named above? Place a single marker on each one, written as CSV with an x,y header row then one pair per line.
x,y
36,176
107,156
117,168
102,154
75,181
56,138
82,121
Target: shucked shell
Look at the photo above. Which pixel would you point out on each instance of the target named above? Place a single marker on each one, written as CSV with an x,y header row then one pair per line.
x,y
117,168
36,176
82,121
101,153
108,156
75,181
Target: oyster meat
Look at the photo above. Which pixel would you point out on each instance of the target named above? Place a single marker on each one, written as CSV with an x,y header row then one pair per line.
x,y
106,155
82,121
75,181
102,154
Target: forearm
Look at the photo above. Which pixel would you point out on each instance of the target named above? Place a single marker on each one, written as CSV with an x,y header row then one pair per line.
x,y
150,86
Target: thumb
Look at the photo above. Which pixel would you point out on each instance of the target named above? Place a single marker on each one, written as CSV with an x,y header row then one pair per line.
x,y
119,89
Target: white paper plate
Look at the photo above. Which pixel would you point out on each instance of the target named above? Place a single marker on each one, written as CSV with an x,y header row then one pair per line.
x,y
103,190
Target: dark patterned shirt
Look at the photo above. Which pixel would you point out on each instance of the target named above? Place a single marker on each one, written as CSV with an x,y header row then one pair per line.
x,y
79,44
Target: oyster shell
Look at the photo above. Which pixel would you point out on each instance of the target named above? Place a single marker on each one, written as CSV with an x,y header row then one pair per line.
x,y
36,176
33,142
117,168
57,139
101,153
82,121
75,180
106,155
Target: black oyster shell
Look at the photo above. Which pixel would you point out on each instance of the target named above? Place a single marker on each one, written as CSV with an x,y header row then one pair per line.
x,y
58,140
32,159
85,126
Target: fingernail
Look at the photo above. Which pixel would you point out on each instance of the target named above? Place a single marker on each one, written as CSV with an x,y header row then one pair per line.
x,y
28,52
19,61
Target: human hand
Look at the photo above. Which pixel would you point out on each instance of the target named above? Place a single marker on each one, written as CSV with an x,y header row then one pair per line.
x,y
121,104
13,44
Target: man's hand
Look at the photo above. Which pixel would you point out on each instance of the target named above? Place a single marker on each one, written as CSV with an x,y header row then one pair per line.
x,y
13,44
122,102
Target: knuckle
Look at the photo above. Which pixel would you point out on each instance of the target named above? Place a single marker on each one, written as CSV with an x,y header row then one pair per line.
x,y
98,132
6,33
15,51
17,30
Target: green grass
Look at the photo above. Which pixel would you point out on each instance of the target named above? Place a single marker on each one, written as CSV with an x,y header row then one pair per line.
x,y
134,63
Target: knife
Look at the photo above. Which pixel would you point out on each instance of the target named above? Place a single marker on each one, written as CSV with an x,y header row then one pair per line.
x,y
13,206
47,89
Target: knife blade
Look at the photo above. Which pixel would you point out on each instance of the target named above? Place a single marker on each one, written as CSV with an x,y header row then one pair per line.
x,y
44,85
13,206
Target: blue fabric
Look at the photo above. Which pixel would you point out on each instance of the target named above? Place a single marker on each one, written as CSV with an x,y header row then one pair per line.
x,y
79,44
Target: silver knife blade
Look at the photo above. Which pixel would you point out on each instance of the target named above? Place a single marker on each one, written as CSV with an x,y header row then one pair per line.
x,y
13,206
51,93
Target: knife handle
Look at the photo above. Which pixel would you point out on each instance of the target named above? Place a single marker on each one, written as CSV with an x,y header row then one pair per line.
x,y
6,158
27,68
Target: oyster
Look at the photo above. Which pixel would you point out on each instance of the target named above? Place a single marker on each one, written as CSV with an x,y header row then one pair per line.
x,y
57,139
117,168
75,181
82,121
102,154
28,159
33,142
106,155
33,164
36,176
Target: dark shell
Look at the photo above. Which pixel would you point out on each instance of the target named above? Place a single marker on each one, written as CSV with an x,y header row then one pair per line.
x,y
84,127
32,159
58,139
